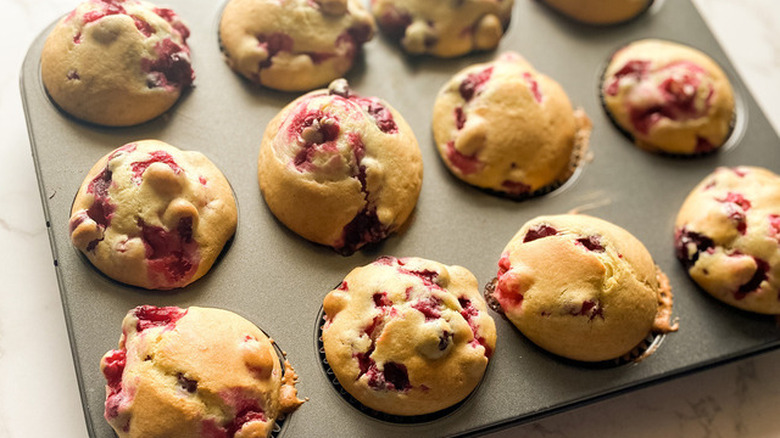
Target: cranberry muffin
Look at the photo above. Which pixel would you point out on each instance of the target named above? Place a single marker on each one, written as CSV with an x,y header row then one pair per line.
x,y
192,373
408,336
117,62
727,236
600,12
339,169
266,42
470,119
151,215
668,97
444,28
581,288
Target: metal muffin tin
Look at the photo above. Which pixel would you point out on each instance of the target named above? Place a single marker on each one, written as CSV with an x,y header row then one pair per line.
x,y
278,280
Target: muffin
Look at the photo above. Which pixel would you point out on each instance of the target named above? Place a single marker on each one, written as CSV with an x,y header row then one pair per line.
x,y
195,372
470,119
339,169
444,28
117,62
581,288
668,97
151,215
293,45
600,12
727,236
408,336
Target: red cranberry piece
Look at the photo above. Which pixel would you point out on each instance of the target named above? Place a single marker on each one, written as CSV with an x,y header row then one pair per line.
x,y
247,409
507,292
738,199
73,75
109,8
504,265
394,22
151,316
534,86
171,17
173,254
460,118
739,172
396,376
762,267
343,286
538,232
243,417
683,239
273,44
774,225
364,228
381,115
429,307
365,362
381,300
635,68
114,366
188,385
679,93
736,206
474,83
171,68
591,309
101,209
470,313
592,243
466,164
139,167
143,26
427,276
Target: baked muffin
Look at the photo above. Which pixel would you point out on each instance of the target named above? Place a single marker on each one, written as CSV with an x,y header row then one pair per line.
x,y
340,169
408,336
470,120
151,215
294,45
581,288
117,62
195,372
600,11
727,236
668,97
444,28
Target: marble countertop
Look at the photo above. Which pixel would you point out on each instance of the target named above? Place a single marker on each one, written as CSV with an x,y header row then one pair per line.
x,y
38,391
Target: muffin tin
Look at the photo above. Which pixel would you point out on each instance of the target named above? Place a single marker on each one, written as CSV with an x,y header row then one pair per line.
x,y
278,280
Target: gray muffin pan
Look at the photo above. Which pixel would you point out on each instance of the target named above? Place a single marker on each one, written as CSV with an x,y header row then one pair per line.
x,y
278,280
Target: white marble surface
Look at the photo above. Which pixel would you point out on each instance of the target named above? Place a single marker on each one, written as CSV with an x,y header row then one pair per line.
x,y
38,392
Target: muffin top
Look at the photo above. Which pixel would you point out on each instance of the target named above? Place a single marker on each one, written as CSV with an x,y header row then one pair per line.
x,y
151,215
668,97
444,28
727,235
408,336
195,372
581,287
471,119
117,62
265,41
340,169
